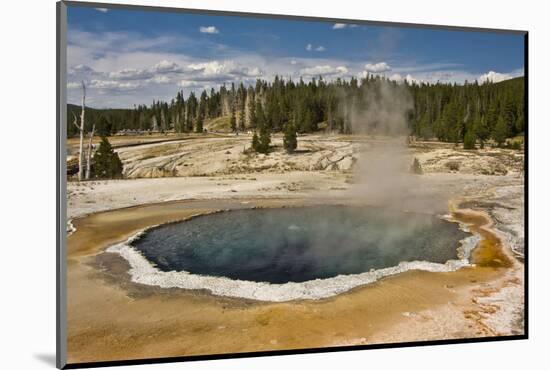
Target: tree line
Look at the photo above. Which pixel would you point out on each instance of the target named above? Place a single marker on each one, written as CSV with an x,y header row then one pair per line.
x,y
467,113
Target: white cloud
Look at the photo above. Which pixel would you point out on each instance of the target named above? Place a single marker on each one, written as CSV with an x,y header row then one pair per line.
x,y
216,71
130,74
323,70
161,79
310,47
81,69
377,67
209,29
410,79
253,72
113,85
155,73
103,10
73,85
208,68
446,75
493,76
165,66
123,68
340,26
189,84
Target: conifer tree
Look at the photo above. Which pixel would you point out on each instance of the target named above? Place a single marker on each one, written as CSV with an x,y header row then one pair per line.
x,y
289,140
104,127
259,114
106,163
501,131
469,140
264,139
202,112
255,142
446,111
252,112
191,112
199,124
482,131
233,119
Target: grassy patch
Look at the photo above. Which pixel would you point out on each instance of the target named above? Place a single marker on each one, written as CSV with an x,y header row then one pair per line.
x,y
218,124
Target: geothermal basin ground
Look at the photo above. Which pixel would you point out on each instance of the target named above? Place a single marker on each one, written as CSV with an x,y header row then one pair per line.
x,y
113,315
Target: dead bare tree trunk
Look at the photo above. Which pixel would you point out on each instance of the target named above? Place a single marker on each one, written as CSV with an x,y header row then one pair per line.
x,y
89,158
81,148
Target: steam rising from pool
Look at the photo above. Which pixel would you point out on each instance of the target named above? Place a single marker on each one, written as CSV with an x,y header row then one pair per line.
x,y
293,253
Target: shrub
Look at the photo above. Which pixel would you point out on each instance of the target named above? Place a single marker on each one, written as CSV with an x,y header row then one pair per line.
x,y
416,168
453,165
516,145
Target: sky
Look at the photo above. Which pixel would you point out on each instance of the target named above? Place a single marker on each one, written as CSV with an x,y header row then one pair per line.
x,y
129,57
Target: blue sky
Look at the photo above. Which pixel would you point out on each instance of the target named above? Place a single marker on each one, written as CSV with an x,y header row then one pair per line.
x,y
129,57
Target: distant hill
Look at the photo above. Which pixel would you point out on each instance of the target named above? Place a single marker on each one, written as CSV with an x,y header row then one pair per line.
x,y
518,81
113,118
76,109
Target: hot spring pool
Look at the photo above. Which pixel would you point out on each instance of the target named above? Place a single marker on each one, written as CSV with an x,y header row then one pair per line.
x,y
283,245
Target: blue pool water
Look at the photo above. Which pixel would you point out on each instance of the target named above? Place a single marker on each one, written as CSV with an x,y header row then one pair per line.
x,y
298,244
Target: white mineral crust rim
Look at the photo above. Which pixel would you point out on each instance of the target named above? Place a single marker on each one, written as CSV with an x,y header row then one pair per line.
x,y
142,271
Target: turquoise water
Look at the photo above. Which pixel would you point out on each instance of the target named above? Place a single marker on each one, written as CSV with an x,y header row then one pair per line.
x,y
298,244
